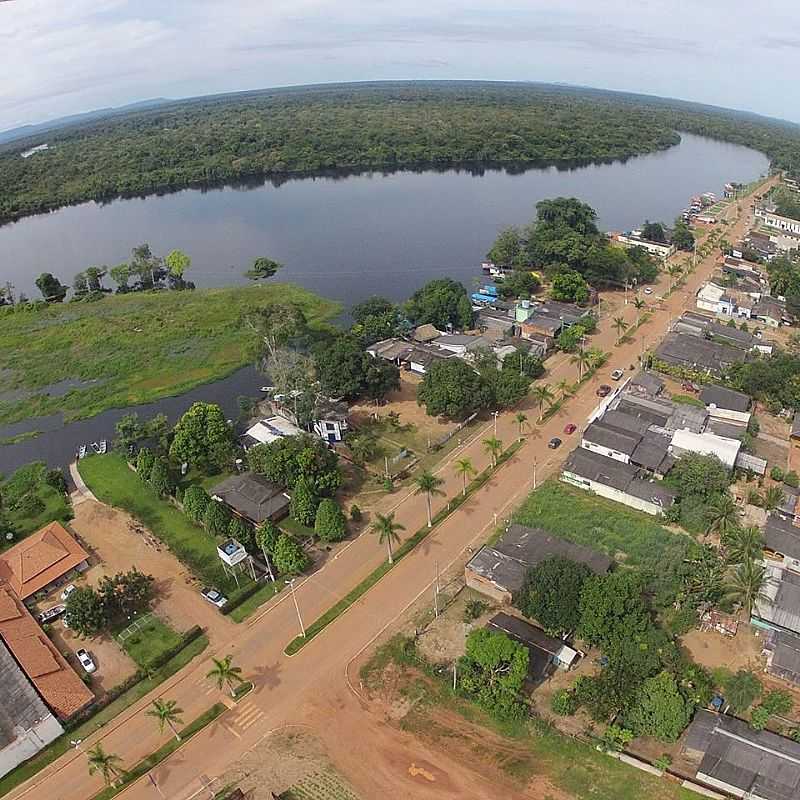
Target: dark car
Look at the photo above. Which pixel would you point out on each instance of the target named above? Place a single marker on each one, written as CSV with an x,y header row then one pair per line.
x,y
554,443
571,428
603,390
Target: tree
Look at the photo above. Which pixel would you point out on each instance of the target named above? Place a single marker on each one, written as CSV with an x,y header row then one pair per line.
x,y
612,608
620,326
492,671
441,302
373,306
177,263
167,712
195,502
121,274
742,690
345,370
80,286
203,437
564,703
386,529
263,268
682,236
450,388
125,594
551,594
144,463
466,470
773,498
660,710
519,283
51,288
304,503
569,286
493,447
638,304
778,701
330,524
521,420
244,533
160,479
507,250
524,364
723,516
217,518
266,537
94,278
428,484
85,614
107,764
542,394
289,458
503,388
673,270
225,673
698,475
289,557
654,232
583,360
743,544
746,584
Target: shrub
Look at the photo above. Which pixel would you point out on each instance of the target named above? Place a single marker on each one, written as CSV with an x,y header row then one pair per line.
x,y
776,473
742,689
160,479
266,536
30,505
217,518
473,609
55,478
195,502
243,532
289,556
330,524
564,703
144,463
355,513
791,479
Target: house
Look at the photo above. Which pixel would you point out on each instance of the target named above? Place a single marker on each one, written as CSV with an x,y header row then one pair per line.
x,y
421,357
269,430
634,239
694,353
496,321
739,761
42,560
426,333
394,350
726,404
782,650
57,684
646,384
252,497
545,654
741,268
26,724
770,311
782,542
761,244
540,325
331,419
653,455
611,441
499,571
774,220
461,345
778,607
709,296
707,444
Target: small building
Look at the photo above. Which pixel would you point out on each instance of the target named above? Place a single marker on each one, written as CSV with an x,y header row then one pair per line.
x,y
331,420
652,454
706,444
770,311
252,497
709,296
782,650
420,359
778,607
461,345
540,325
726,404
269,430
782,542
42,560
610,441
646,384
774,220
697,354
496,321
426,333
394,350
634,239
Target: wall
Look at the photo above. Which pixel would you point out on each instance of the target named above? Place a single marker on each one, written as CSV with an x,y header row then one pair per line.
x,y
486,587
612,494
742,417
29,743
605,451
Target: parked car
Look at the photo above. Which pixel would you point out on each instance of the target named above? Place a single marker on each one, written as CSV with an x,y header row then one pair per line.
x,y
689,387
86,661
571,428
51,613
617,374
68,591
648,290
214,597
554,443
603,390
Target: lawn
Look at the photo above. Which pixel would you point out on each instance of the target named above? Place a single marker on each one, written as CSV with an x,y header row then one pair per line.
x,y
138,347
631,537
115,484
148,641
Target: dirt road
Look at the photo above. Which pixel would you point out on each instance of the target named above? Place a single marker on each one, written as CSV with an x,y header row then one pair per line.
x,y
308,686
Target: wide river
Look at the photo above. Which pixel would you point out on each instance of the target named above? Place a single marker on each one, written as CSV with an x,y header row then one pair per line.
x,y
348,238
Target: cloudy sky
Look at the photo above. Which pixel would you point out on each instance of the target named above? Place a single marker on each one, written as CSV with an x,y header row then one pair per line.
x,y
66,56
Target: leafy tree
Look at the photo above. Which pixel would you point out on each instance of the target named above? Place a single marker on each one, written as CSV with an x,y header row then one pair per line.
x,y
289,458
51,288
386,529
267,535
612,608
570,212
696,475
682,236
160,478
466,470
330,524
569,286
80,286
177,263
791,479
195,502
373,306
743,544
203,437
723,516
742,690
507,250
524,364
225,673
450,388
144,463
428,484
94,278
167,712
519,283
263,268
654,231
504,388
121,274
551,594
345,370
542,393
493,671
493,448
564,703
107,764
243,532
125,594
217,518
660,710
85,614
304,503
441,302
289,556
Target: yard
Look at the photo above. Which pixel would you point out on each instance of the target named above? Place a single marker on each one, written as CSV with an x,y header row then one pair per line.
x,y
147,639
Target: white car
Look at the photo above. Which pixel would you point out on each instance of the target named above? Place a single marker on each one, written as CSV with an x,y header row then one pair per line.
x,y
617,374
52,613
68,591
648,290
86,661
214,597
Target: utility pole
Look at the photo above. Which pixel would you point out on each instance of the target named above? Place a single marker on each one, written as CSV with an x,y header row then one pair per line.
x,y
436,567
297,607
496,413
534,473
435,600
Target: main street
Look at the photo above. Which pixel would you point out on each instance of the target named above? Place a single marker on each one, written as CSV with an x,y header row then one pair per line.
x,y
285,688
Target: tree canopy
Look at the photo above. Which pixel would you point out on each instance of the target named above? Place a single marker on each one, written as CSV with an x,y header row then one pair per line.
x,y
344,369
203,437
440,302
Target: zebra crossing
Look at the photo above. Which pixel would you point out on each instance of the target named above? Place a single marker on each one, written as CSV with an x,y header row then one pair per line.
x,y
248,714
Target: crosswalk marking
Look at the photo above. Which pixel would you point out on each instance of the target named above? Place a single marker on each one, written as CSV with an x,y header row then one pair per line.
x,y
249,714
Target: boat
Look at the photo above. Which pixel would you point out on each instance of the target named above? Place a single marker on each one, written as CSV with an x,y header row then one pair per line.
x,y
96,447
267,389
82,451
103,447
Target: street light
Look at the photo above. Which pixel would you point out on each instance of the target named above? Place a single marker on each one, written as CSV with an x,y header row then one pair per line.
x,y
496,415
290,584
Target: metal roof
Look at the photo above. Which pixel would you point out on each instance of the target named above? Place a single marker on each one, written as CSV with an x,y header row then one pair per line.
x,y
597,468
686,350
252,496
780,604
786,652
724,398
627,423
607,436
646,382
782,537
502,570
652,452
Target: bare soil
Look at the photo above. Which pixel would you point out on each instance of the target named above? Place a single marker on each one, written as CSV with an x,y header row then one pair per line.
x,y
711,649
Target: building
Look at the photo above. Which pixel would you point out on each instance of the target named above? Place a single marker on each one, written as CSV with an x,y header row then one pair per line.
x,y
779,606
773,220
540,326
420,358
58,685
424,334
634,239
611,441
782,650
741,268
707,444
42,561
252,497
499,571
741,762
694,353
709,296
461,345
269,430
496,321
726,404
331,419
645,384
26,724
771,312
782,542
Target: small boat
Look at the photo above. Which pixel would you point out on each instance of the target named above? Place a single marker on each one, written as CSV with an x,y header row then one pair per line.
x,y
267,389
103,447
82,451
96,447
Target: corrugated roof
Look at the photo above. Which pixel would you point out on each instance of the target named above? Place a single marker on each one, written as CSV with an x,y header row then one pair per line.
x,y
652,452
607,436
502,570
786,652
597,468
533,545
252,496
782,537
724,398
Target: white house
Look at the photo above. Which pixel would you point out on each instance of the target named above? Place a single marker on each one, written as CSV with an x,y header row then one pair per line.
x,y
331,420
707,444
270,430
777,221
708,297
725,404
633,239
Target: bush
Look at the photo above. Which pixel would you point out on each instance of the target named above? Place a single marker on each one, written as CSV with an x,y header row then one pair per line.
x,y
330,524
289,556
776,473
30,505
355,513
144,463
55,478
304,503
791,479
564,703
217,518
195,502
243,532
473,610
160,479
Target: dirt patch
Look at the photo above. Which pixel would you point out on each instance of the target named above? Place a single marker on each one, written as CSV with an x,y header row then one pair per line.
x,y
711,649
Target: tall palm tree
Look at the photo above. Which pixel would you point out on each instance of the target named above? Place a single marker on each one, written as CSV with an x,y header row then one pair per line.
x,y
107,764
583,360
466,470
673,271
225,673
564,388
772,499
596,357
521,420
493,447
638,304
167,713
723,516
542,394
743,545
387,531
428,484
746,584
621,326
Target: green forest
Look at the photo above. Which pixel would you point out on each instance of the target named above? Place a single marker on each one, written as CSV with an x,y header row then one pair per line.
x,y
283,133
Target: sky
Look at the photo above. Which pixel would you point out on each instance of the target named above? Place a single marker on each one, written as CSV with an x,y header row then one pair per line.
x,y
65,57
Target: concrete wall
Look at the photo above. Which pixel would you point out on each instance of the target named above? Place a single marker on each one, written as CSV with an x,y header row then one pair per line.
x,y
612,494
486,587
605,451
29,743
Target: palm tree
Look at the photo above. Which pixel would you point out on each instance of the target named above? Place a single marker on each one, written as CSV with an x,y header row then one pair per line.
x,y
723,516
521,419
428,484
673,271
746,584
493,447
743,545
225,673
465,469
387,530
596,357
167,713
564,388
638,304
772,499
542,394
583,360
107,764
621,326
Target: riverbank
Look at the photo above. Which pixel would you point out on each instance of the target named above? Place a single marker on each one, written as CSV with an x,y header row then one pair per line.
x,y
136,348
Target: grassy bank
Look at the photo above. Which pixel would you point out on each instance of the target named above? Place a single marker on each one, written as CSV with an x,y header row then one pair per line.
x,y
137,347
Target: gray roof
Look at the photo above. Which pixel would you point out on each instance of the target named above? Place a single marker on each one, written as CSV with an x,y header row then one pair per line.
x,y
607,436
786,652
391,349
647,383
683,349
544,321
796,425
597,468
252,496
331,409
652,491
780,605
458,340
541,648
627,423
757,762
502,570
654,412
21,708
687,417
782,537
569,312
652,452
728,333
728,429
724,398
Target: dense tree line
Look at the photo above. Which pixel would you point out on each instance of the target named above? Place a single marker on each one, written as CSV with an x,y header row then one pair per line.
x,y
279,133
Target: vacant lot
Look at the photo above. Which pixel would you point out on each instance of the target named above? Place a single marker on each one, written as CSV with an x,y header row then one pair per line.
x,y
138,347
30,502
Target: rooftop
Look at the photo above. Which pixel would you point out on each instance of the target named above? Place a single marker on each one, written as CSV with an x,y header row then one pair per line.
x,y
780,605
628,423
653,453
391,349
723,398
786,651
687,417
683,349
782,537
604,435
597,468
502,570
326,408
252,496
426,333
646,383
40,559
707,444
271,429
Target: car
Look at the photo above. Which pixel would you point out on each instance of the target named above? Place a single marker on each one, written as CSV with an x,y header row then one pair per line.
x,y
571,428
617,374
689,387
86,661
603,390
215,597
68,591
554,443
648,290
51,613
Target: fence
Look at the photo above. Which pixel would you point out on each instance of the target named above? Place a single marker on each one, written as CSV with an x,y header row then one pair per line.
x,y
135,626
448,436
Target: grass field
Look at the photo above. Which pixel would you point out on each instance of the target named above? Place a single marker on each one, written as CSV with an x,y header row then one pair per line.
x,y
149,641
138,347
321,785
